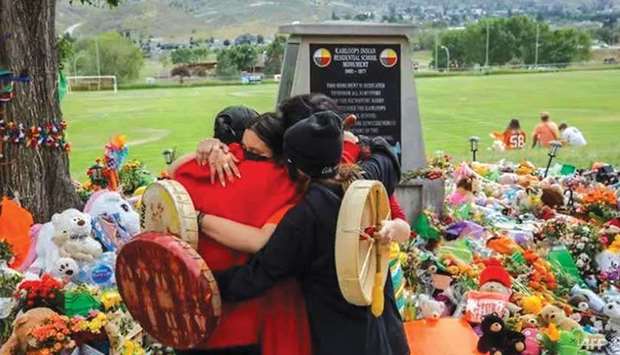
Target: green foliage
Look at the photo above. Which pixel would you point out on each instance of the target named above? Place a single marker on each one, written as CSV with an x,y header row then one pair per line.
x,y
6,253
64,46
225,64
274,55
232,60
188,55
513,40
117,56
244,56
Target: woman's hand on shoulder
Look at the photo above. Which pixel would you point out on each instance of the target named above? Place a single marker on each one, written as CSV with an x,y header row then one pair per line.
x,y
222,163
206,147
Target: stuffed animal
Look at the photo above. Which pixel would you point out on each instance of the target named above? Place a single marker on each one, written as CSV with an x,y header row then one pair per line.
x,y
552,196
70,229
552,314
493,295
22,327
612,310
571,342
66,269
114,220
496,339
532,345
430,308
594,300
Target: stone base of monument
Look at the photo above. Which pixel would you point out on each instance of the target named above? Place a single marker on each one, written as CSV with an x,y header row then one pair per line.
x,y
419,194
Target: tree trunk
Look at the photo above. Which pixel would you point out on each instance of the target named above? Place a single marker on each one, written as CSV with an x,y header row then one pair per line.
x,y
40,177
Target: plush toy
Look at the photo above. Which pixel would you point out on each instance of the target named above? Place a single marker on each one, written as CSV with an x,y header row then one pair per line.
x,y
612,310
114,220
496,339
532,345
66,269
67,235
594,300
22,328
571,342
493,295
552,314
72,236
430,308
528,321
552,196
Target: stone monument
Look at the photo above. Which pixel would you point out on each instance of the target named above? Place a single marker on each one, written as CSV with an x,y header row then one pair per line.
x,y
368,70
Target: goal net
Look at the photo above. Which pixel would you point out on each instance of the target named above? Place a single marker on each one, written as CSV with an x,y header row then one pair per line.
x,y
92,82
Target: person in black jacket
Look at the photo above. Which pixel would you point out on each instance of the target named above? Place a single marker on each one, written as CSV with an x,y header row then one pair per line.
x,y
303,246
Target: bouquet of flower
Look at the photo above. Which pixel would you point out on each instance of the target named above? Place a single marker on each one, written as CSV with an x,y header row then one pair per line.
x,y
552,230
46,292
599,203
583,244
438,166
52,337
90,328
134,175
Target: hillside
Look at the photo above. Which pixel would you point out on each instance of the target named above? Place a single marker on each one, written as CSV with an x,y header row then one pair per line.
x,y
185,18
180,19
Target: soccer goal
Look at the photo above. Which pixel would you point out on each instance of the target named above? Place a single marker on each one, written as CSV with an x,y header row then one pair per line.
x,y
92,82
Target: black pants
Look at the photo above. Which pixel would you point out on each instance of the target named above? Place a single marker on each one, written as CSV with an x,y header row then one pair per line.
x,y
243,350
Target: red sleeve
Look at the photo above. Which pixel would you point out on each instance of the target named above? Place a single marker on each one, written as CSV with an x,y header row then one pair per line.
x,y
397,211
350,153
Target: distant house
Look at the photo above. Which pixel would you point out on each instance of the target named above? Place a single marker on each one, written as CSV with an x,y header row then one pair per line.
x,y
202,68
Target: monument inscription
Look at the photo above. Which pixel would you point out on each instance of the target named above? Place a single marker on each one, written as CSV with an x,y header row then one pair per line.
x,y
365,79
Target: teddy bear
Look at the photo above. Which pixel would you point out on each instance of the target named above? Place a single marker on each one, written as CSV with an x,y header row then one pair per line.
x,y
72,236
493,295
496,339
66,269
68,234
612,311
553,314
115,221
22,327
430,308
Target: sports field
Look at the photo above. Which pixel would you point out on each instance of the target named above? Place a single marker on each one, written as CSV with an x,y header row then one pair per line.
x,y
452,109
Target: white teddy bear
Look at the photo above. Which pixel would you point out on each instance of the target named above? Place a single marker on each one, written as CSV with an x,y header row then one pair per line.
x,y
430,308
110,209
612,310
67,235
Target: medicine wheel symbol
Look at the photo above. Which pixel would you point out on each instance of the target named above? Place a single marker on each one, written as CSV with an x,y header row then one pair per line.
x,y
322,57
388,57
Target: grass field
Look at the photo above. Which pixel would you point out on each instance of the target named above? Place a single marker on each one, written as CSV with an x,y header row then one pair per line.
x,y
452,109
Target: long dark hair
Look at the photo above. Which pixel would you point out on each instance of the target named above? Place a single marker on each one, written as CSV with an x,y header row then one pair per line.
x,y
296,108
269,128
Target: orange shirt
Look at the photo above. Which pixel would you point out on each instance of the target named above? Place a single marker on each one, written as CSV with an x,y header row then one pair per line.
x,y
514,139
545,132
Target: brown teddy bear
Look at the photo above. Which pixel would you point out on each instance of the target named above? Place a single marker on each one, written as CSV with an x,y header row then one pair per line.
x,y
553,314
22,327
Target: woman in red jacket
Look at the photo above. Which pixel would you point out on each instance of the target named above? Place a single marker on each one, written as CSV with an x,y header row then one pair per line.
x,y
263,190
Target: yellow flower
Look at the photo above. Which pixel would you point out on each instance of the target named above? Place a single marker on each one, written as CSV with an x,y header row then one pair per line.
x,y
110,299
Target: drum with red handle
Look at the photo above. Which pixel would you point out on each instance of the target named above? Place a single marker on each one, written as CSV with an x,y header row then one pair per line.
x,y
167,287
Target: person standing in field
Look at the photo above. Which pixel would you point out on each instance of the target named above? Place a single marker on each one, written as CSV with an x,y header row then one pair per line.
x,y
572,136
514,137
545,132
